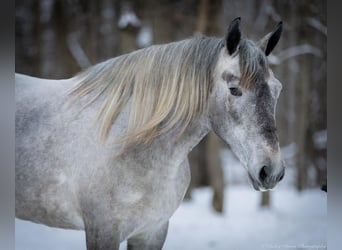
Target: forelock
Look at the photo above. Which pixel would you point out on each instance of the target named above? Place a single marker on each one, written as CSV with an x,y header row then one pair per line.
x,y
253,64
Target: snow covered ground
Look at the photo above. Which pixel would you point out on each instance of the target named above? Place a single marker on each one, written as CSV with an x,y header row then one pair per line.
x,y
294,221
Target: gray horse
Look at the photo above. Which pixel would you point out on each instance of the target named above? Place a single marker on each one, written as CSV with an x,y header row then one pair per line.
x,y
106,151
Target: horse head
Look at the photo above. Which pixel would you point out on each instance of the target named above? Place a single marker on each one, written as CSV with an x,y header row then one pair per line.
x,y
243,102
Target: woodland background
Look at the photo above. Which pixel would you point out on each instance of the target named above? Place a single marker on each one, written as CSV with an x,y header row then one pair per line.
x,y
58,38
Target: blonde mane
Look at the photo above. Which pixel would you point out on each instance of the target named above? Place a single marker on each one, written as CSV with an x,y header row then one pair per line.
x,y
166,85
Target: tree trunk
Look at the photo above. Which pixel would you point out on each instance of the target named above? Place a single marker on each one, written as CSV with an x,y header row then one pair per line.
x,y
265,199
215,171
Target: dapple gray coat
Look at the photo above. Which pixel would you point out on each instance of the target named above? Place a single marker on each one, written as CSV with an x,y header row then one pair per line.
x,y
67,177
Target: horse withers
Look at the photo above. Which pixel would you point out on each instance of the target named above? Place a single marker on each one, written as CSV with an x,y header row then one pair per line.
x,y
106,151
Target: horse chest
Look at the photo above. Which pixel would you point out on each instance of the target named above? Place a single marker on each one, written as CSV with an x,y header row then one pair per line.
x,y
170,194
159,200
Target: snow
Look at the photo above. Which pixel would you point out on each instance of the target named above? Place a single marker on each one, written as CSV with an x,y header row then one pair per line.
x,y
294,221
320,139
46,8
128,17
145,37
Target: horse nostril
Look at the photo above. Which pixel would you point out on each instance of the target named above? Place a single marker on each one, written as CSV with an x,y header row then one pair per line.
x,y
281,176
264,172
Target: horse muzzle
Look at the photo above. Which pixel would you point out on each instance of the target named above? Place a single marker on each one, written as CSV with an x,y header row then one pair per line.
x,y
266,180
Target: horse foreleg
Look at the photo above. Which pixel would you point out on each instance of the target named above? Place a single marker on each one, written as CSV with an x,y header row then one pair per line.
x,y
153,240
101,238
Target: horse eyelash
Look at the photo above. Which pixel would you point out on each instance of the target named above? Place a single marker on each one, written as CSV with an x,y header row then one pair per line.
x,y
235,91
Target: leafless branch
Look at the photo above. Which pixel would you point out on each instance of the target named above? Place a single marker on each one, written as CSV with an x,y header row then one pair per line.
x,y
294,51
317,25
263,15
77,51
265,12
274,14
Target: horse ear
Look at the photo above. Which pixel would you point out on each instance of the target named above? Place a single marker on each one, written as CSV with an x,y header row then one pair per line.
x,y
268,43
233,35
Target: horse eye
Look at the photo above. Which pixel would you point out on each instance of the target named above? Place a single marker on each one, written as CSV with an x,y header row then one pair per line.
x,y
235,91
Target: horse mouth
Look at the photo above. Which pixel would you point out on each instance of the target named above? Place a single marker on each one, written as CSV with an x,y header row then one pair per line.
x,y
258,186
254,182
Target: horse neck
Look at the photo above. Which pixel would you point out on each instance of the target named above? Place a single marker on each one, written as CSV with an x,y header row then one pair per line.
x,y
169,149
191,137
